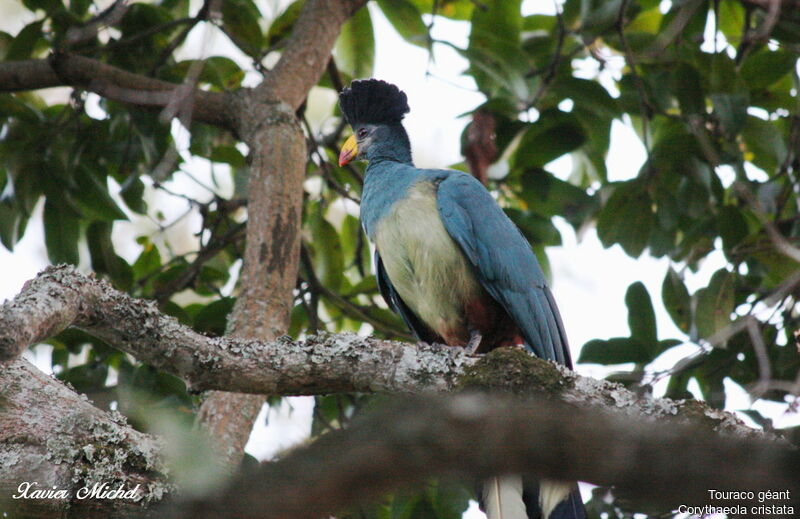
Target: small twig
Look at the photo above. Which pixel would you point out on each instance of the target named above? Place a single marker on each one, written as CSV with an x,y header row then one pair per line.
x,y
346,306
674,29
552,67
763,31
782,245
764,368
646,106
141,97
89,30
334,75
324,166
117,44
206,254
209,10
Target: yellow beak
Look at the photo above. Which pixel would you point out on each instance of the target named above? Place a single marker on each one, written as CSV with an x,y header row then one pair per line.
x,y
349,151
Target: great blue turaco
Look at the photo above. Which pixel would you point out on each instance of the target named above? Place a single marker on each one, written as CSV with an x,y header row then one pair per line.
x,y
455,268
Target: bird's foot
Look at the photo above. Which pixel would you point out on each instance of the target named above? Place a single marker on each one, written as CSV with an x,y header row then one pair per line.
x,y
474,343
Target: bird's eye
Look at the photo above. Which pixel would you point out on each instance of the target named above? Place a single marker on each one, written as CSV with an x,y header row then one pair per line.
x,y
362,133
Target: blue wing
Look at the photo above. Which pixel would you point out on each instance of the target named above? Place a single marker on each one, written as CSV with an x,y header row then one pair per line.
x,y
504,263
397,304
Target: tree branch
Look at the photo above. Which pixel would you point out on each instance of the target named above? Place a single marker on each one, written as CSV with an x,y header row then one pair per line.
x,y
478,435
54,437
307,51
60,296
63,69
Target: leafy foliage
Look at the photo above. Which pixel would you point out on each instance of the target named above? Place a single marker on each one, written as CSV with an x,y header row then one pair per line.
x,y
718,118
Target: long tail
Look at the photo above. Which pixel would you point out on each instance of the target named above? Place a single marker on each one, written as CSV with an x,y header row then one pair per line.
x,y
502,498
507,497
551,496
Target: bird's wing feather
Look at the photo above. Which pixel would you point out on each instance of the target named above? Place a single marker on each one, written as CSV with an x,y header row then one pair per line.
x,y
504,263
397,304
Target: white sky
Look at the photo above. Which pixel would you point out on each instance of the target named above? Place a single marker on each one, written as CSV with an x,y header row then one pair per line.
x,y
589,281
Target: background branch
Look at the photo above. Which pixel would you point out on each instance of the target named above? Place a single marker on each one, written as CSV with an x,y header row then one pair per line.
x,y
475,436
63,69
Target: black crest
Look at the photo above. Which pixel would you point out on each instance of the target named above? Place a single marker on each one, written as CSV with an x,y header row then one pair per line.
x,y
373,101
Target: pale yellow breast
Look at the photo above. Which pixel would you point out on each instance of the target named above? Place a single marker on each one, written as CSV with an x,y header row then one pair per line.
x,y
425,265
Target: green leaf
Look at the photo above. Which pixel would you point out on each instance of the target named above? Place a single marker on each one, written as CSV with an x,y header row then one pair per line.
x,y
281,26
229,155
688,88
537,229
765,146
219,72
148,262
12,223
367,285
26,42
298,321
355,49
765,67
550,196
80,7
733,227
132,192
92,196
406,20
86,378
553,135
240,20
328,258
677,301
448,500
104,258
617,350
14,105
731,110
778,266
213,318
641,317
722,74
787,29
5,43
647,21
496,58
715,304
47,6
627,218
453,9
599,16
588,94
61,233
731,20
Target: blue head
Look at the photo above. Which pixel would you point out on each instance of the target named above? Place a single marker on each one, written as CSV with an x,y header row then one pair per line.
x,y
375,110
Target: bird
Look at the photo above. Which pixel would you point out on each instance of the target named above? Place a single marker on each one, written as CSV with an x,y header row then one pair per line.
x,y
454,267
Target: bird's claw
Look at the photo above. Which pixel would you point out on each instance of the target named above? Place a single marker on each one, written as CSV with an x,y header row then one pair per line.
x,y
474,343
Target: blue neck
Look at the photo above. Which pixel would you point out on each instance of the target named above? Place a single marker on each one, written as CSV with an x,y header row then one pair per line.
x,y
391,144
386,182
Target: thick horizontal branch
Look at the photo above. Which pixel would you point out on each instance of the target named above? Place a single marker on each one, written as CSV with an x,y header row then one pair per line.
x,y
60,297
63,69
54,437
478,435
